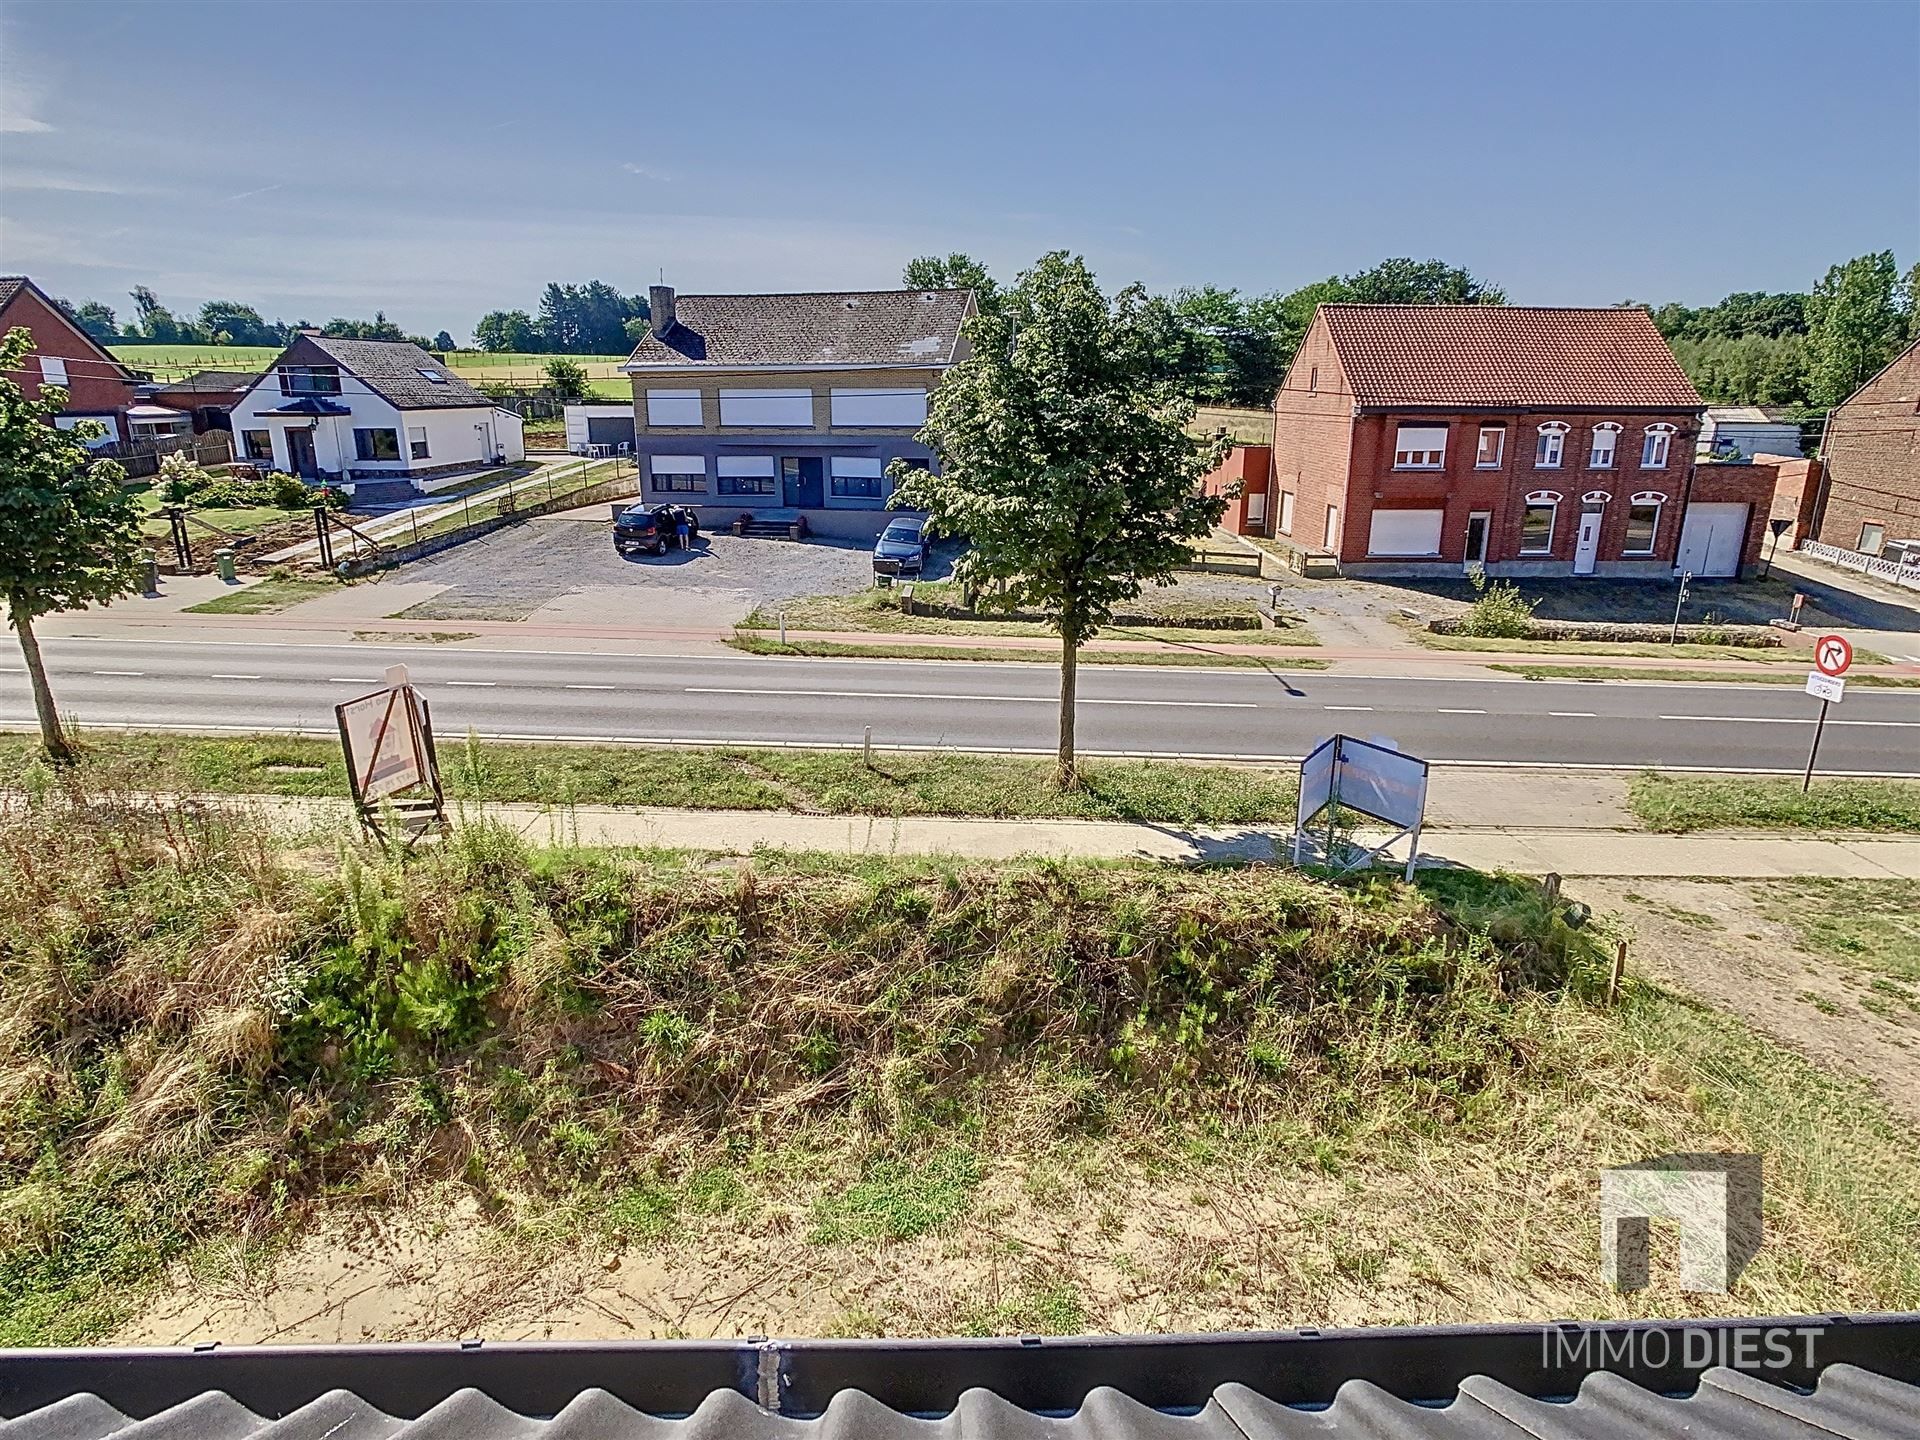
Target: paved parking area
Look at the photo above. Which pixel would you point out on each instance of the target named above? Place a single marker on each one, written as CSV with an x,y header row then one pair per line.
x,y
563,568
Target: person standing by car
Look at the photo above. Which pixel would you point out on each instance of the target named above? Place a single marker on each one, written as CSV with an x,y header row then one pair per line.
x,y
683,532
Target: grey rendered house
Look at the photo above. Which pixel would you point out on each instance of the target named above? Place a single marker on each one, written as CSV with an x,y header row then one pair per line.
x,y
778,406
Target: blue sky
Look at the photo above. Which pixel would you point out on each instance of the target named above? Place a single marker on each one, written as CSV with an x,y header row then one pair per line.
x,y
437,161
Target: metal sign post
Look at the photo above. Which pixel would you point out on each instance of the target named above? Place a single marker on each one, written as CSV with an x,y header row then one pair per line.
x,y
1673,636
1779,528
1832,654
393,770
1368,778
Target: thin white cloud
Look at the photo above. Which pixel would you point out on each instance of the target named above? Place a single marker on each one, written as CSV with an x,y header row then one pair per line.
x,y
68,184
15,122
22,85
249,194
644,173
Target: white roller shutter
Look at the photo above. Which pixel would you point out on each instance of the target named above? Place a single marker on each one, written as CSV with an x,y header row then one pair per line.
x,y
746,465
903,408
792,408
1405,532
674,407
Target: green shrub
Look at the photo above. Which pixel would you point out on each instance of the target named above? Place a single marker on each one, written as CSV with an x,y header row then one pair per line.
x,y
1500,612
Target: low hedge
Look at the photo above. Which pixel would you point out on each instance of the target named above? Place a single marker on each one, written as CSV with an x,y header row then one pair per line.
x,y
1753,637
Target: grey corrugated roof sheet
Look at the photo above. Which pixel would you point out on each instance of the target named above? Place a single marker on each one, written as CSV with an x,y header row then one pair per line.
x,y
1728,1405
825,328
391,369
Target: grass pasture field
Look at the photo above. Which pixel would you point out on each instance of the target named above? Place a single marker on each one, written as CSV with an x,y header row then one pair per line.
x,y
269,1084
173,362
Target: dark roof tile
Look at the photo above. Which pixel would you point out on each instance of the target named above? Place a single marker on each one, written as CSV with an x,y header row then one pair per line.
x,y
392,370
827,329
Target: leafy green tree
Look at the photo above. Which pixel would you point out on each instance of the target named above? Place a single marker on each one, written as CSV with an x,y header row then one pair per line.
x,y
157,323
228,322
69,532
589,319
378,328
1910,301
1419,282
957,271
1065,459
1855,324
97,320
507,331
567,379
443,342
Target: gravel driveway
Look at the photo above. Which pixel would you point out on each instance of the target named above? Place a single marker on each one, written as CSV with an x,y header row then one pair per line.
x,y
563,567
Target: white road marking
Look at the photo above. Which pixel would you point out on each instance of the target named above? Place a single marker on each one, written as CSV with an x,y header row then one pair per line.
x,y
990,699
1573,714
1791,720
1346,707
233,677
119,672
1445,711
350,680
477,684
589,687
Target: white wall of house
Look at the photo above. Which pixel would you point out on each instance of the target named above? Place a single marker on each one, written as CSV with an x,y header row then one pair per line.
x,y
466,435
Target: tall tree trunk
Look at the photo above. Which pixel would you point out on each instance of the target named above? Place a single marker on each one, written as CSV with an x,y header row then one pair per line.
x,y
50,733
1066,775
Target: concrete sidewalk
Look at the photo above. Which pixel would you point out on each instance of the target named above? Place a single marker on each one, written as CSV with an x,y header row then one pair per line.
x,y
1590,852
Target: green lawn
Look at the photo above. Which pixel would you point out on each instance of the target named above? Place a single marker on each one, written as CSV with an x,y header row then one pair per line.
x,y
234,520
1871,925
760,643
1680,803
264,597
834,782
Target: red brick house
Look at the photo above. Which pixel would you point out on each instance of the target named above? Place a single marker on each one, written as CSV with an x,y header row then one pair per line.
x,y
1424,439
1870,493
98,386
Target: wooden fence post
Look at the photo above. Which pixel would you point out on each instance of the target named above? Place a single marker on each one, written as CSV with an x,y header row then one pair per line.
x,y
1619,971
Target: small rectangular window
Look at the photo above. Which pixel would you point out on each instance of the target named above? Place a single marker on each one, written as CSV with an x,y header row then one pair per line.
x,y
682,484
1536,531
1313,380
1653,451
1420,447
53,370
417,441
1332,533
1286,512
376,444
1643,524
1493,445
1546,454
432,376
1873,539
1600,452
257,444
744,485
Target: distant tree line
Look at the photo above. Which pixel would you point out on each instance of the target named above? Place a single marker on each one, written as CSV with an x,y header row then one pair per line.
x,y
589,319
1797,351
1226,348
224,322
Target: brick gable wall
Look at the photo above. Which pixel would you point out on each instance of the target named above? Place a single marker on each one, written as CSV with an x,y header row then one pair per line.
x,y
93,385
1872,459
1312,444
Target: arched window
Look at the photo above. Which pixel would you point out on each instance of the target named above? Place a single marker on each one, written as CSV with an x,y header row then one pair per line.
x,y
1536,526
1643,523
1595,497
1653,450
1600,452
1551,446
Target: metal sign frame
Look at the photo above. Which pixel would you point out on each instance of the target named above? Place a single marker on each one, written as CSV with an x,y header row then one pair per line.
x,y
1321,791
417,806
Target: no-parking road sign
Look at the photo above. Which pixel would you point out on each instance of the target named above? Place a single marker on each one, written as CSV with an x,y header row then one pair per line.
x,y
1832,654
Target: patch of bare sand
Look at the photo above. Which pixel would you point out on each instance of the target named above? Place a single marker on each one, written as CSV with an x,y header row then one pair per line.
x,y
1716,940
1435,1233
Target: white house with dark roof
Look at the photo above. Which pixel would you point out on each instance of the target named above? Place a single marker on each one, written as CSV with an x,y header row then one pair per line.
x,y
360,411
779,407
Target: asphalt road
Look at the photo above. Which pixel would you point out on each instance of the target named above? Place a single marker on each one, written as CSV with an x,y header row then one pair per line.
x,y
1241,714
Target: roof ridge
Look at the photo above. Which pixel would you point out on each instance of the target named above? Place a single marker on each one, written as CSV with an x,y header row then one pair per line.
x,y
809,294
1471,305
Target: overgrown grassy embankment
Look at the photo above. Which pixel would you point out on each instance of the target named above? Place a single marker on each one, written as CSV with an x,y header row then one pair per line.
x,y
1680,803
1266,1097
830,782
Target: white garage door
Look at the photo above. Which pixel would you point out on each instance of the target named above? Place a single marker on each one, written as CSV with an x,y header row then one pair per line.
x,y
1711,540
1405,532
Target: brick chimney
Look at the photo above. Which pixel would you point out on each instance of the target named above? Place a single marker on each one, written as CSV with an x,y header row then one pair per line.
x,y
660,308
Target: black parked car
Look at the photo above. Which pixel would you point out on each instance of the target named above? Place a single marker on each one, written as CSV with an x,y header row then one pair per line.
x,y
903,546
653,528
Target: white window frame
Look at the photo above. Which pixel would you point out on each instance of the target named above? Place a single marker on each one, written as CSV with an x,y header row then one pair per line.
x,y
1550,450
417,437
1420,454
53,371
1313,380
900,408
1329,537
1879,538
1499,434
670,409
1286,512
1656,446
671,474
762,470
1537,498
1595,459
767,409
1645,499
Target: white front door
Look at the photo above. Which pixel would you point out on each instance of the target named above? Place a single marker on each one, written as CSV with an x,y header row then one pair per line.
x,y
1588,545
483,436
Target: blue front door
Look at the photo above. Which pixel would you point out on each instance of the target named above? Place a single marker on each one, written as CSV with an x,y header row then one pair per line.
x,y
803,481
